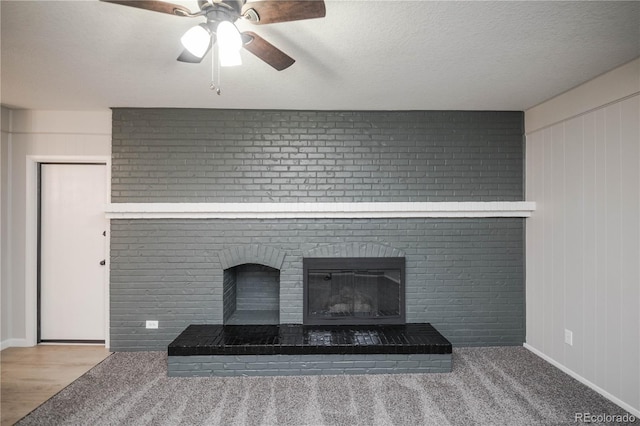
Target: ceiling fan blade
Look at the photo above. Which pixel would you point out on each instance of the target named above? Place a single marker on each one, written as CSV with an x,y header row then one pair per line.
x,y
266,51
272,11
156,6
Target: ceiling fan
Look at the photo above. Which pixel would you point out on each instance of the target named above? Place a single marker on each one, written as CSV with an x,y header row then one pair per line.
x,y
219,28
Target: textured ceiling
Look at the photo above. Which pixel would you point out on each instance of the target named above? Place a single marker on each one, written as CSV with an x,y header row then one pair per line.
x,y
369,55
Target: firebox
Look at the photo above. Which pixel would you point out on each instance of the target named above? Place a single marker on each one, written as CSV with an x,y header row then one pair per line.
x,y
354,290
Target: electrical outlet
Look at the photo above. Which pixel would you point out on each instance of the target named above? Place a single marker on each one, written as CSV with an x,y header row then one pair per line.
x,y
568,337
152,324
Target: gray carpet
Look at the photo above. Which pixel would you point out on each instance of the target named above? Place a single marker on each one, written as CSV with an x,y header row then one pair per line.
x,y
492,386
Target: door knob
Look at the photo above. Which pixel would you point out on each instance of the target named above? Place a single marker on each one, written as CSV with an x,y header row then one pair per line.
x,y
103,262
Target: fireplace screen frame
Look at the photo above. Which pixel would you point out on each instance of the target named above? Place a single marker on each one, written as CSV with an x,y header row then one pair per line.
x,y
341,264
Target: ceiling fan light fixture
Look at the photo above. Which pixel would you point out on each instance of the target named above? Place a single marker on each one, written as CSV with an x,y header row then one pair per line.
x,y
229,44
197,40
230,58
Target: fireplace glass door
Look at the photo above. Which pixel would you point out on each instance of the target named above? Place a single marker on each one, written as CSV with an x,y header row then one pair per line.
x,y
354,290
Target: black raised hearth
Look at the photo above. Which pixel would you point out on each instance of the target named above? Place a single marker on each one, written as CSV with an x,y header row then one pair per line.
x,y
295,339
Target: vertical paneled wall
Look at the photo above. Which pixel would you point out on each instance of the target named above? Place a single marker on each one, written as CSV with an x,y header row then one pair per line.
x,y
583,246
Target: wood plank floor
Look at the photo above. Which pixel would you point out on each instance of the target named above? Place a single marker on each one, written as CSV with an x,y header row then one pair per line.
x,y
32,375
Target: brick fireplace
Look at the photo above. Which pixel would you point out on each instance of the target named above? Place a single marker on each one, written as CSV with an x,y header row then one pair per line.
x,y
463,272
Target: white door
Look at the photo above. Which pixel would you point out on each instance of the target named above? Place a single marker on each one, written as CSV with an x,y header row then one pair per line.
x,y
72,247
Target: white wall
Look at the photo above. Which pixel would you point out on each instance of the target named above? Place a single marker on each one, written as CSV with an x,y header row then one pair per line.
x,y
583,240
39,136
5,265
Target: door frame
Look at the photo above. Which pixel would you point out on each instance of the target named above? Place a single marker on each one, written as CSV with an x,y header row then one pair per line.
x,y
31,238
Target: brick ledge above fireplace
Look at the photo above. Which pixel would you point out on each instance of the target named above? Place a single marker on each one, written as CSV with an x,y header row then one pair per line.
x,y
319,210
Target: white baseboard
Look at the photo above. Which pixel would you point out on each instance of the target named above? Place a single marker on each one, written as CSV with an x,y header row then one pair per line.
x,y
9,343
633,410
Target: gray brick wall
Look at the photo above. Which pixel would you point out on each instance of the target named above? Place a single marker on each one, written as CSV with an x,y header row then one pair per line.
x,y
465,276
284,365
196,155
229,291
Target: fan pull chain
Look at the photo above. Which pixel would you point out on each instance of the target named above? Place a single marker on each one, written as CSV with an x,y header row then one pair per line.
x,y
215,65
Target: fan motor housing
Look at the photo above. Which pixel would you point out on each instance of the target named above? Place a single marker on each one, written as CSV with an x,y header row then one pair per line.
x,y
234,5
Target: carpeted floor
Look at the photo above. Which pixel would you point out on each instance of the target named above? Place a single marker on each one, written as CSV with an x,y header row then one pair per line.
x,y
488,386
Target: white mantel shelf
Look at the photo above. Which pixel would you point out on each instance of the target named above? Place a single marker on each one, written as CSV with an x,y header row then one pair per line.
x,y
319,210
